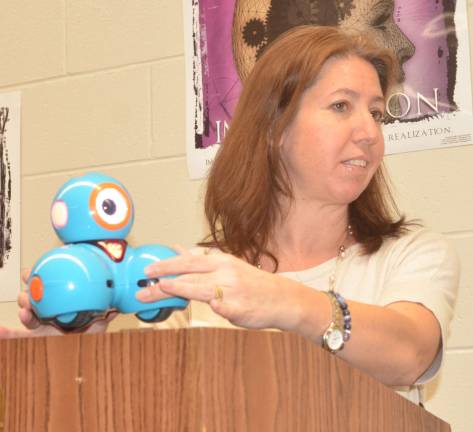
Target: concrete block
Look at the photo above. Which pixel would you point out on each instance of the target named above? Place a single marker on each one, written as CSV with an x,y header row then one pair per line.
x,y
86,121
108,33
461,335
424,183
168,108
32,40
448,396
9,315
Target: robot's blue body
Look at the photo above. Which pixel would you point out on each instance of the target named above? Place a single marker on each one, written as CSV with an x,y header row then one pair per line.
x,y
96,270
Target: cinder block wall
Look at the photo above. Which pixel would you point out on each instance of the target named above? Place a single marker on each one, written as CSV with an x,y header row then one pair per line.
x,y
102,87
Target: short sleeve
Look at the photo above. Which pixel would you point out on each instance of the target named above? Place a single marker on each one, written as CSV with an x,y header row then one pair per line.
x,y
424,268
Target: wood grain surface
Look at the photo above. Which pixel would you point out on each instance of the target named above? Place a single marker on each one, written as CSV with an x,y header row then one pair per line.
x,y
193,380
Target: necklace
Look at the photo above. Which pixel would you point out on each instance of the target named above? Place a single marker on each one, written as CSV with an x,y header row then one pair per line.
x,y
341,253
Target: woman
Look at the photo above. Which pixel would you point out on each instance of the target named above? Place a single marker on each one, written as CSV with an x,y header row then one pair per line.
x,y
299,213
299,176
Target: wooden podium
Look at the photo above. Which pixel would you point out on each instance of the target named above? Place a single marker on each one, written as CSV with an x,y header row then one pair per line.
x,y
193,380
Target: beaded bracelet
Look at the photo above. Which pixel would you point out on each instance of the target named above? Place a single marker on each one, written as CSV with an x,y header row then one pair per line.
x,y
346,315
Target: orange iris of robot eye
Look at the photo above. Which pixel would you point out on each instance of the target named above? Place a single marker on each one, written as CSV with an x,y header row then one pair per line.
x,y
36,288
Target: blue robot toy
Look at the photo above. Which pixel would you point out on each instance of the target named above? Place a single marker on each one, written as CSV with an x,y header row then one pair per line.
x,y
96,271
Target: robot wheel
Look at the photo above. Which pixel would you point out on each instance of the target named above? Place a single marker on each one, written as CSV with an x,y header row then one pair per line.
x,y
75,321
160,315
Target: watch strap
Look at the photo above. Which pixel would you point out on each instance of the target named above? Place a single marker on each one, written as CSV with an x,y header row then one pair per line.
x,y
337,322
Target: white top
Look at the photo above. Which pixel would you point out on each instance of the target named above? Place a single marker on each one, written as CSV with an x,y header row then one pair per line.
x,y
420,267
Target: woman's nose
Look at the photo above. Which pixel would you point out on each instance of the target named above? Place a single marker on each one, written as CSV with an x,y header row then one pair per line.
x,y
366,130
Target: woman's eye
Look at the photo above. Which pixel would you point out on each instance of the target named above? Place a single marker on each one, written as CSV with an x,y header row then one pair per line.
x,y
378,116
340,106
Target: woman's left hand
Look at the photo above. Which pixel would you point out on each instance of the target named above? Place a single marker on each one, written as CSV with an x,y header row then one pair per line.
x,y
234,289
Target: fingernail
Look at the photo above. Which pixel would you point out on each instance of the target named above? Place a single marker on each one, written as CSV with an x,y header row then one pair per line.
x,y
143,294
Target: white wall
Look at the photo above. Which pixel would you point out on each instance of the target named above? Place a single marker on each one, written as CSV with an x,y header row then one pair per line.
x,y
102,87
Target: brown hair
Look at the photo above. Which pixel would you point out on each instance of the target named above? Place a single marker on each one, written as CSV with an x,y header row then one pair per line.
x,y
248,175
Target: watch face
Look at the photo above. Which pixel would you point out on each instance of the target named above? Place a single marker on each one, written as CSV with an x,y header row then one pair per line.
x,y
334,339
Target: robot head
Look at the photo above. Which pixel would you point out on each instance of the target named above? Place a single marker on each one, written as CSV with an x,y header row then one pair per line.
x,y
92,207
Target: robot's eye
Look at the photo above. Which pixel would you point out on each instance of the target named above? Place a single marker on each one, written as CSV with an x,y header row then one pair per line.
x,y
110,206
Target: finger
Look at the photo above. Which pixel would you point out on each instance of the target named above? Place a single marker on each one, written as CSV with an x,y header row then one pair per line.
x,y
26,315
23,300
25,274
187,263
28,319
151,294
189,287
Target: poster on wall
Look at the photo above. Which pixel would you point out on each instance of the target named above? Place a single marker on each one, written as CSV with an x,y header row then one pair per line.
x,y
9,196
431,107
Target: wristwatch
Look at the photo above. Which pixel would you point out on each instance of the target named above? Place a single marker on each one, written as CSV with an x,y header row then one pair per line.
x,y
332,339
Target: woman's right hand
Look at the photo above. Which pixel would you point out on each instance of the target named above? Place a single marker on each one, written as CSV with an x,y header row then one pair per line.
x,y
34,327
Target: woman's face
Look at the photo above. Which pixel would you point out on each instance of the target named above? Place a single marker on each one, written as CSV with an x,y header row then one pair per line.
x,y
257,22
334,145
